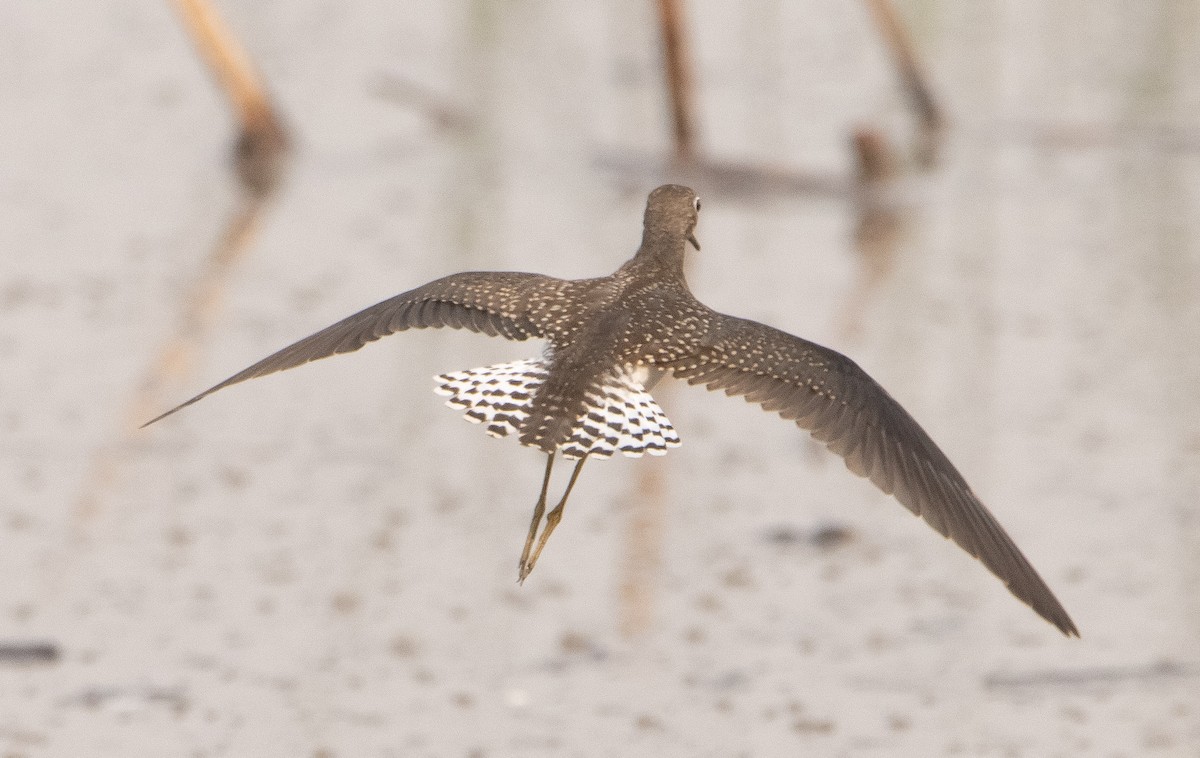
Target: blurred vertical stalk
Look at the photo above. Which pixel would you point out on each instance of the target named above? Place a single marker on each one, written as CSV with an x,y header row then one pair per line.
x,y
640,568
260,154
930,120
1166,94
642,560
678,71
881,215
262,145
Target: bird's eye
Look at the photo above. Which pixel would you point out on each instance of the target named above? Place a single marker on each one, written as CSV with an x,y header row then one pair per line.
x,y
696,203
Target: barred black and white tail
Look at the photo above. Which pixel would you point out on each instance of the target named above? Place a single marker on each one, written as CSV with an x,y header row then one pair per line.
x,y
619,415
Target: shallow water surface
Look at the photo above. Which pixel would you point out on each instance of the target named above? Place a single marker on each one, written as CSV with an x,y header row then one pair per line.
x,y
324,562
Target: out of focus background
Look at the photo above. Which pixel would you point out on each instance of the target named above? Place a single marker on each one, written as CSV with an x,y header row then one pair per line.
x,y
991,206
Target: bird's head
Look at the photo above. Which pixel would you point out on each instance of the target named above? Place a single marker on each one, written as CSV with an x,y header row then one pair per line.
x,y
673,209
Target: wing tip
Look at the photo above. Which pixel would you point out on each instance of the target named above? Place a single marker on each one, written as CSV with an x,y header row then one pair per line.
x,y
179,407
157,418
1068,628
1052,611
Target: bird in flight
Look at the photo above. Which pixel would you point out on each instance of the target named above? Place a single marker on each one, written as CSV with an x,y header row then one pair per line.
x,y
609,338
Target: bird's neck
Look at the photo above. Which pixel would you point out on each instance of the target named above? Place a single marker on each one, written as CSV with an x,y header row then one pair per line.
x,y
661,253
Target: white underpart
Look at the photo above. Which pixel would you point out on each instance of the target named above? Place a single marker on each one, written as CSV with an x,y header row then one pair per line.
x,y
620,415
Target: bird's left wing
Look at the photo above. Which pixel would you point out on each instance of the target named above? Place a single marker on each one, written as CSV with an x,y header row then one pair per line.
x,y
826,393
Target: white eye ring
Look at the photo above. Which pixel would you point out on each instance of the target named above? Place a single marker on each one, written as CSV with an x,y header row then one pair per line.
x,y
696,204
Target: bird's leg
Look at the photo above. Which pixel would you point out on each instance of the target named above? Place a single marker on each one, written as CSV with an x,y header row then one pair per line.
x,y
538,510
552,519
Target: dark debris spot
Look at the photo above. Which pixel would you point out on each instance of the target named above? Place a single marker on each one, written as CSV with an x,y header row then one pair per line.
x,y
25,653
824,537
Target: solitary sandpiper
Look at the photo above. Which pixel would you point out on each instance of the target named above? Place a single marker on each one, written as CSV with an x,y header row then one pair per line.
x,y
609,338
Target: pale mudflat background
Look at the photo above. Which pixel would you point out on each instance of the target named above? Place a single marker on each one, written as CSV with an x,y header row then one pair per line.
x,y
323,563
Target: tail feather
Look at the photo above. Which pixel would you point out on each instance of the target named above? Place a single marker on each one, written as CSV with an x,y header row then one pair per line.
x,y
618,415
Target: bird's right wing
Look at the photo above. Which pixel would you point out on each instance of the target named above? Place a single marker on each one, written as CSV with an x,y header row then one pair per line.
x,y
512,305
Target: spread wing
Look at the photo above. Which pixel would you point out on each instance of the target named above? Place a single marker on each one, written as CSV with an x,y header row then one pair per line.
x,y
828,394
506,304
